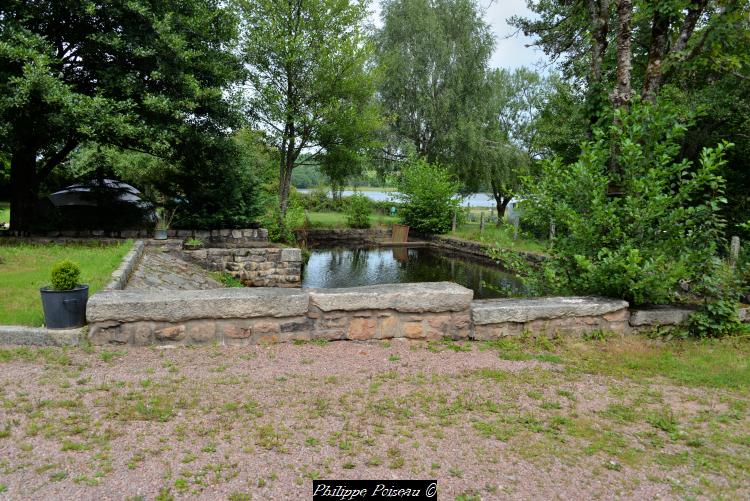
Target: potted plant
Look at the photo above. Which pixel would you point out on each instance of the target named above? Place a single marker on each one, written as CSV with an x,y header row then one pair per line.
x,y
163,221
64,302
192,244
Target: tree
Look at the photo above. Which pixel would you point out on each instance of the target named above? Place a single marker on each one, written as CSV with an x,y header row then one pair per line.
x,y
435,53
428,194
310,87
138,75
499,142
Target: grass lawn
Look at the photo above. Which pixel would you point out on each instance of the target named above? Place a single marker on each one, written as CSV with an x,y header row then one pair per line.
x,y
529,418
4,212
25,268
501,236
338,220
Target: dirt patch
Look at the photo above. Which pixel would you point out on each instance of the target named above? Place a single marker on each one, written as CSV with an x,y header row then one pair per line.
x,y
262,422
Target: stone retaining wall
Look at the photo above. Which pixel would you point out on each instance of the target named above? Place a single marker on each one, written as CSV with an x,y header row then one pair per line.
x,y
216,238
268,315
255,267
477,249
427,311
342,236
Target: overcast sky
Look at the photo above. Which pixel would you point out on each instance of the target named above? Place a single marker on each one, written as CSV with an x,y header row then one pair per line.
x,y
510,51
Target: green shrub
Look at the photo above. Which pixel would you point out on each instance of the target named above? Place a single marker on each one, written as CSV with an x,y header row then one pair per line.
x,y
295,218
719,314
65,275
642,245
428,194
358,208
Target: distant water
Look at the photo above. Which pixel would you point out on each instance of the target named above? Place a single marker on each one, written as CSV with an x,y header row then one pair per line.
x,y
475,200
338,267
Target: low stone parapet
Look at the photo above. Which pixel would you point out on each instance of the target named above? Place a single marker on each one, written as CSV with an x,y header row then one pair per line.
x,y
267,315
497,318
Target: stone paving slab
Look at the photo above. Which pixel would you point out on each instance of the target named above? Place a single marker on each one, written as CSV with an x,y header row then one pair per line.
x,y
159,270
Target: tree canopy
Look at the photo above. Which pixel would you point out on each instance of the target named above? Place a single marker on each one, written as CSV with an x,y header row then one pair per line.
x,y
148,76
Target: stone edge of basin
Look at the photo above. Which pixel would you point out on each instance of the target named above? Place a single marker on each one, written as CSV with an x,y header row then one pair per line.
x,y
408,298
496,311
180,305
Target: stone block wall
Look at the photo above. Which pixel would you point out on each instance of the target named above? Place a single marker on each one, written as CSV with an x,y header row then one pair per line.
x,y
268,315
216,238
493,319
423,311
255,266
332,237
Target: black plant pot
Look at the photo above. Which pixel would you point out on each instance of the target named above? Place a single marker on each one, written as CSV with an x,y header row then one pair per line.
x,y
65,309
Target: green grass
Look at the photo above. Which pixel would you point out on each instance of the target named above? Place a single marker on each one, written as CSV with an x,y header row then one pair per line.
x,y
25,268
713,363
4,212
502,236
338,219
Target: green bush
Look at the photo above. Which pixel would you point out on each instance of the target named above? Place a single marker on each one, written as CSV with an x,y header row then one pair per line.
x,y
428,194
641,245
719,315
295,218
358,208
65,275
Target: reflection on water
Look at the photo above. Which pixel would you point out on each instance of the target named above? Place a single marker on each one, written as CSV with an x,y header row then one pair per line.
x,y
354,267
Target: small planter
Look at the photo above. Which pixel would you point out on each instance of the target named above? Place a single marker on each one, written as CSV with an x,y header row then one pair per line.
x,y
192,247
160,234
65,309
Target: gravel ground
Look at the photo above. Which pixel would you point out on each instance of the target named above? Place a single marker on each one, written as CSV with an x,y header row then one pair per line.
x,y
262,422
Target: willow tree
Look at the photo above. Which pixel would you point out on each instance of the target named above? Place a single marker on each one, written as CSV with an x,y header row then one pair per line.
x,y
435,54
310,86
139,75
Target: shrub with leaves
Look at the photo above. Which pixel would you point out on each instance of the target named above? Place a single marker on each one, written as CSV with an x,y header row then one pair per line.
x,y
358,208
659,233
428,194
65,275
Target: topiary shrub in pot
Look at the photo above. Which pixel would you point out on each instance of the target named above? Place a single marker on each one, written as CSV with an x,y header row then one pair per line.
x,y
64,302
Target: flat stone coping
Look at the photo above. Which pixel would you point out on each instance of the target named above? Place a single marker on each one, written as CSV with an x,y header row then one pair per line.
x,y
408,298
38,336
178,306
497,311
660,315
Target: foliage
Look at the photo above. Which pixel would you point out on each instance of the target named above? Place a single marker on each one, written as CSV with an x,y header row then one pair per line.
x,y
164,217
358,209
137,74
642,245
720,286
435,53
294,218
65,275
428,193
310,86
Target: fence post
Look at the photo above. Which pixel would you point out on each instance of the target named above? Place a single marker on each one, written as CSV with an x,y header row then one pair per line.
x,y
481,222
734,251
453,222
516,223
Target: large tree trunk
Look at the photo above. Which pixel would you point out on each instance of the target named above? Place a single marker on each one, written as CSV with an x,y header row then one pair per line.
x,y
501,200
24,188
599,17
623,92
656,52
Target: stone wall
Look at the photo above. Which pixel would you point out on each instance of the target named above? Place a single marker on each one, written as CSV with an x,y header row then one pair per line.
x,y
332,237
216,238
268,315
477,249
426,311
255,266
496,318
